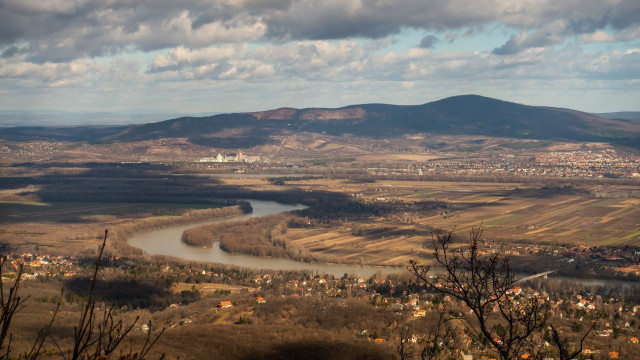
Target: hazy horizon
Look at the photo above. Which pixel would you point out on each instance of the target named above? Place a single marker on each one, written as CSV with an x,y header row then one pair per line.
x,y
48,117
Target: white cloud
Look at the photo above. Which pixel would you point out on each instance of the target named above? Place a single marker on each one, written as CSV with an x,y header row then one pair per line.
x,y
350,61
598,36
632,33
550,34
331,48
182,56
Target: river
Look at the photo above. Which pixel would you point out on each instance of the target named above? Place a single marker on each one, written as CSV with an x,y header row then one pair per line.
x,y
168,241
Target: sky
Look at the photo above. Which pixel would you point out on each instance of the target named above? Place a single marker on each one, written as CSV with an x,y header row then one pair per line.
x,y
198,56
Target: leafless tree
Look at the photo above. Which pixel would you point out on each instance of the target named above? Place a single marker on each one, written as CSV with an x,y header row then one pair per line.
x,y
563,344
440,333
95,337
11,303
404,349
485,284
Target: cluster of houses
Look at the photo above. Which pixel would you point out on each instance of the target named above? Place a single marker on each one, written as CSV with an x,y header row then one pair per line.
x,y
621,259
395,294
392,294
42,265
589,163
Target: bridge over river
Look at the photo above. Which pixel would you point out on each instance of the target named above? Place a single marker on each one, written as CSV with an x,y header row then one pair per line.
x,y
535,276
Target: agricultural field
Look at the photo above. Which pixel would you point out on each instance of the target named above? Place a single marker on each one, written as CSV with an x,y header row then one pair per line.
x,y
533,216
507,212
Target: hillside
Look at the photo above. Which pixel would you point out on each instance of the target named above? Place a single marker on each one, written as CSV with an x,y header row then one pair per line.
x,y
458,115
623,115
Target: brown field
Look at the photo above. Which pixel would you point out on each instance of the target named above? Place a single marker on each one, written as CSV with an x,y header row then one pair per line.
x,y
380,249
530,216
566,219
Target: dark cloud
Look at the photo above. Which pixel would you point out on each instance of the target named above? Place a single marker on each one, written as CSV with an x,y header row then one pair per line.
x,y
624,15
267,5
215,13
368,18
512,46
68,29
11,51
63,30
550,34
428,42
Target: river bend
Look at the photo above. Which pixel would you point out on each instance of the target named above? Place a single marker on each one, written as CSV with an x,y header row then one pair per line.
x,y
168,241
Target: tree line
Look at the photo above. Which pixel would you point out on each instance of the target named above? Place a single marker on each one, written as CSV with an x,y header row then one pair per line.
x,y
256,236
125,231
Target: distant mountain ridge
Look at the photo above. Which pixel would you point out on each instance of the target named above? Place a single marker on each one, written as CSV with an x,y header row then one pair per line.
x,y
52,118
622,115
466,114
458,115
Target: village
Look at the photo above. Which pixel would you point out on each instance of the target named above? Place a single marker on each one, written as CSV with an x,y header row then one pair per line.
x,y
623,260
605,163
240,292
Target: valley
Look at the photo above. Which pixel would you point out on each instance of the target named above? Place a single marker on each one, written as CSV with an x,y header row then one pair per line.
x,y
355,209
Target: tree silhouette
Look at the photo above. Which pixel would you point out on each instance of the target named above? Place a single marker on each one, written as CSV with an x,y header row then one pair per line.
x,y
485,284
96,336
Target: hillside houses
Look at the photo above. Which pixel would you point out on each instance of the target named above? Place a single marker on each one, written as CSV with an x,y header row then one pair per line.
x,y
42,265
402,300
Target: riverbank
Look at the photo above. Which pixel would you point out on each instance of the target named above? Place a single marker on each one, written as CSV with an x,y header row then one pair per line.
x,y
168,242
258,236
121,232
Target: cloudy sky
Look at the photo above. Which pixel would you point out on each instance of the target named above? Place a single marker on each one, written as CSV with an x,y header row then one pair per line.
x,y
242,55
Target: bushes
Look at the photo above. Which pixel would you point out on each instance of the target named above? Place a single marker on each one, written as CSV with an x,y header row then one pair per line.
x,y
198,237
189,296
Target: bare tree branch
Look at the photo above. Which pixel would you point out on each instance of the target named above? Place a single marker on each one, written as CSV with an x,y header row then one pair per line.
x,y
562,344
93,338
10,304
484,283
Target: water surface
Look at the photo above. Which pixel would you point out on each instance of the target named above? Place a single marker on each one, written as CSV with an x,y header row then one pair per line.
x,y
168,241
